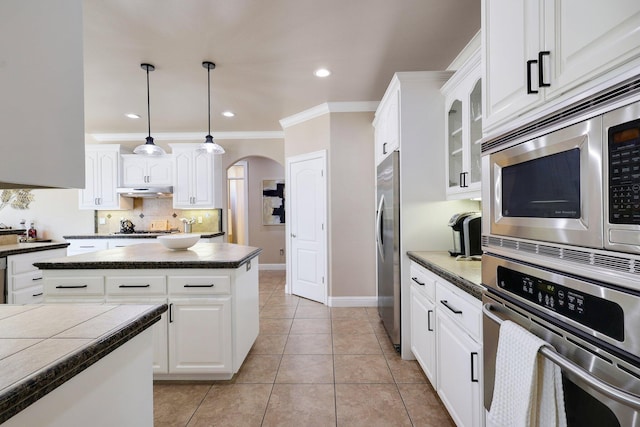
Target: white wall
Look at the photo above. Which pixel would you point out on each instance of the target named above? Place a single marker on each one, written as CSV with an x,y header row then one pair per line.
x,y
55,213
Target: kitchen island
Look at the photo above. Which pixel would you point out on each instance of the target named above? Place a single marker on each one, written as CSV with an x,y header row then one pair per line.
x,y
61,364
211,290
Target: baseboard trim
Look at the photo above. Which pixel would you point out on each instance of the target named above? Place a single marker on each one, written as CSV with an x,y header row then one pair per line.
x,y
352,301
272,266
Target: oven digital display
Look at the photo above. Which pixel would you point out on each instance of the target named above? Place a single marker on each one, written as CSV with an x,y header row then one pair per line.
x,y
597,313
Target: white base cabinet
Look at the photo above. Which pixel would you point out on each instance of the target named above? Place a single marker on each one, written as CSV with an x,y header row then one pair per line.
x,y
24,280
211,324
446,339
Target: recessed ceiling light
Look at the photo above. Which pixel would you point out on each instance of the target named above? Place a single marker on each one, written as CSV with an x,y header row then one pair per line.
x,y
228,113
132,115
322,72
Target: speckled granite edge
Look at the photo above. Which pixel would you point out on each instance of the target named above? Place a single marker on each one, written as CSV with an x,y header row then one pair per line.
x,y
467,286
28,391
26,249
124,265
203,235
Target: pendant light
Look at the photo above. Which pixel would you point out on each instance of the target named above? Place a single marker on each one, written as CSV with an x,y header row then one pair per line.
x,y
208,145
149,148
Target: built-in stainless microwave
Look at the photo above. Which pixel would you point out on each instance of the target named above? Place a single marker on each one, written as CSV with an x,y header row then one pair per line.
x,y
579,185
550,188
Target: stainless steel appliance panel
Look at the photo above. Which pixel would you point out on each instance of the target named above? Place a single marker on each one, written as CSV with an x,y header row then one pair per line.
x,y
3,280
534,205
388,245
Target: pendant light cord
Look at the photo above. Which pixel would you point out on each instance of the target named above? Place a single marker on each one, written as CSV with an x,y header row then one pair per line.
x,y
209,98
148,103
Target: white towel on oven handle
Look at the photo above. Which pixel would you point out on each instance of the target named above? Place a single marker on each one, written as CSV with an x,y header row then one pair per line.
x,y
528,387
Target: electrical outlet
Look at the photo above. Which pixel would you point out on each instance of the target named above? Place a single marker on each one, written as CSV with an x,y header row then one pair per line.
x,y
102,221
199,220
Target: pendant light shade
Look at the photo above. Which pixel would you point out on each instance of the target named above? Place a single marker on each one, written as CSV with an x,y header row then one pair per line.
x,y
149,148
208,146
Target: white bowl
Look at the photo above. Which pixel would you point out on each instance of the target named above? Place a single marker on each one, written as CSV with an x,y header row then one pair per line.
x,y
179,241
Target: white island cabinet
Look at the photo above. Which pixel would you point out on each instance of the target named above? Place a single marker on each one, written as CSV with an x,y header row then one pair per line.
x,y
211,290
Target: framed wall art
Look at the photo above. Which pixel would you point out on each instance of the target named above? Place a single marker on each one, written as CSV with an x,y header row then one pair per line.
x,y
273,201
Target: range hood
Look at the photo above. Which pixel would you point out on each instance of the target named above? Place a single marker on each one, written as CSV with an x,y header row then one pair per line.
x,y
147,192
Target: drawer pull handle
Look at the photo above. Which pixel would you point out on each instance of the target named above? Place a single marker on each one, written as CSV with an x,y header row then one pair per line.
x,y
415,279
36,278
71,286
86,247
37,295
134,286
446,304
198,286
473,380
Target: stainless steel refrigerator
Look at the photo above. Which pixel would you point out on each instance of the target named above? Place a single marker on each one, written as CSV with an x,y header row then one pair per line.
x,y
388,245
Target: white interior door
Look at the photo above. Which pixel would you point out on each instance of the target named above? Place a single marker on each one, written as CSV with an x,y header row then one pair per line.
x,y
306,224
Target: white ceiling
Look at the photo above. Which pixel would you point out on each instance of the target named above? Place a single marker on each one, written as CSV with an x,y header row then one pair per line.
x,y
265,53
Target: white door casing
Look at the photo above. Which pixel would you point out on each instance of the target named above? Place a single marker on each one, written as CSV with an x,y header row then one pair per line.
x,y
306,207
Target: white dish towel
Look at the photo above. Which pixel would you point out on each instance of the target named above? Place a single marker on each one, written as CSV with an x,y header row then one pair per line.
x,y
528,387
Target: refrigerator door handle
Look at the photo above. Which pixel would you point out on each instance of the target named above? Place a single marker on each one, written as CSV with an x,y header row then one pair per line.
x,y
379,238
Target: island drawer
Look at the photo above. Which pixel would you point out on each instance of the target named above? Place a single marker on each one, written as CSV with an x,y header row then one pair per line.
x,y
31,295
26,280
136,285
74,286
199,285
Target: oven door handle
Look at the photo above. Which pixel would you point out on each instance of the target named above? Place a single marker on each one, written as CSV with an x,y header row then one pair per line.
x,y
567,365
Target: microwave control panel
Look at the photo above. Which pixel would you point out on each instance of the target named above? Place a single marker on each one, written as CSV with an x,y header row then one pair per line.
x,y
624,173
597,313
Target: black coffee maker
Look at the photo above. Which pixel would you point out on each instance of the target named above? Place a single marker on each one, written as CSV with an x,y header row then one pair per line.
x,y
467,231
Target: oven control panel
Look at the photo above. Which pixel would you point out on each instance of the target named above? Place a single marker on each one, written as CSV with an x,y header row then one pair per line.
x,y
597,313
624,173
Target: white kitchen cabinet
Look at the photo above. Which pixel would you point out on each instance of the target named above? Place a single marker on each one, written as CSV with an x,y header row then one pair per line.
x,y
459,354
87,287
463,130
197,178
24,280
146,171
423,332
387,125
102,172
538,51
83,246
195,349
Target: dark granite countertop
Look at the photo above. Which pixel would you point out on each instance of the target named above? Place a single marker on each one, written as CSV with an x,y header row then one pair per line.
x,y
23,248
43,346
10,231
467,275
203,234
155,255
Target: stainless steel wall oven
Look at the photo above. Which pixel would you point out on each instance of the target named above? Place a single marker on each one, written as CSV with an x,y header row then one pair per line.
x,y
591,325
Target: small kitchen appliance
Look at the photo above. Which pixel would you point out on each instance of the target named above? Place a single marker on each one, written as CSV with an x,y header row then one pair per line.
x,y
126,226
466,229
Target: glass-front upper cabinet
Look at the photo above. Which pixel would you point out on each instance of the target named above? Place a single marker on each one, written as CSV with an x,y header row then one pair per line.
x,y
463,98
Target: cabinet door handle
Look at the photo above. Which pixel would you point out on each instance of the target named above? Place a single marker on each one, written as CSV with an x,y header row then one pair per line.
x,y
463,179
541,55
171,313
474,355
529,64
384,148
37,295
199,286
446,304
71,286
134,286
429,313
415,279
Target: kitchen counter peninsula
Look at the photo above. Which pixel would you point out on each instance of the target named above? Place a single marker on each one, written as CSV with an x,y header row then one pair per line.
x,y
52,355
138,235
23,248
211,290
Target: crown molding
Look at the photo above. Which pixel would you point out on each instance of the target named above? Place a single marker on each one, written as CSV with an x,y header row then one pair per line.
x,y
186,136
328,107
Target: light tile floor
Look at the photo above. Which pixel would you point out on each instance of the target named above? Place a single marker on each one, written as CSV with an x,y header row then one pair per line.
x,y
311,365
